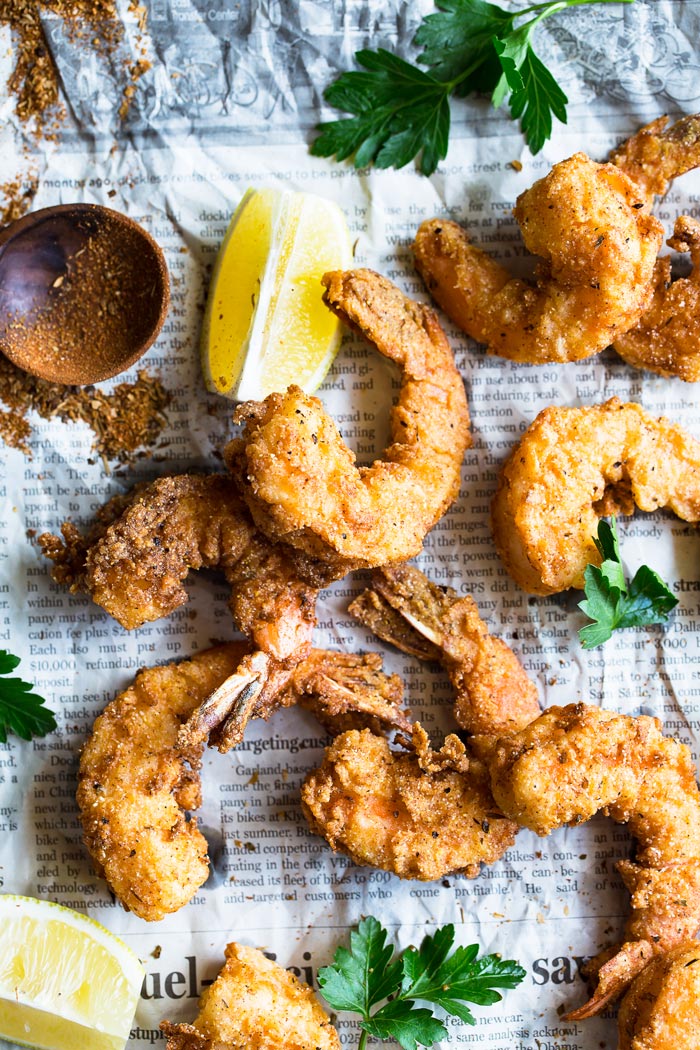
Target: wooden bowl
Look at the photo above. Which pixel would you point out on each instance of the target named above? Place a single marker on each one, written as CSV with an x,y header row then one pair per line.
x,y
84,291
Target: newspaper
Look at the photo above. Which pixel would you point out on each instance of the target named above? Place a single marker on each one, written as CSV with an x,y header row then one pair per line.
x,y
230,101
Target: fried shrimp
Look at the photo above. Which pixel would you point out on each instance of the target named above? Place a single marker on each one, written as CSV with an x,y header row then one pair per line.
x,y
575,465
139,775
493,693
421,815
135,786
575,761
589,225
666,339
133,563
255,1005
298,476
660,1010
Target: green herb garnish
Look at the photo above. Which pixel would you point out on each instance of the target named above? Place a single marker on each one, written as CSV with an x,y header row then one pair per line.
x,y
21,711
370,973
611,602
401,111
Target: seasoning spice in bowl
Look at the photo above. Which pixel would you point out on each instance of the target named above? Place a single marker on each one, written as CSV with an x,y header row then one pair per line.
x,y
84,291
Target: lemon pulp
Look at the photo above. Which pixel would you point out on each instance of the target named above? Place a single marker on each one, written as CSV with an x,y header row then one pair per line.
x,y
65,981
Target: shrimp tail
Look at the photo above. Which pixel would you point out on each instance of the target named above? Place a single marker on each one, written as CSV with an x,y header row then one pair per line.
x,y
342,691
348,691
222,717
657,155
613,977
404,608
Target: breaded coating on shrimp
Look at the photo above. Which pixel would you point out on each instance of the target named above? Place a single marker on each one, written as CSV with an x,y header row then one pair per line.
x,y
493,694
573,466
421,815
255,1005
299,477
575,761
142,547
666,339
135,786
589,225
661,1010
135,558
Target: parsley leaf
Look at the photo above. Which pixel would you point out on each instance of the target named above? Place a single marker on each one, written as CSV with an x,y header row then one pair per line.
x,y
539,98
457,43
401,112
21,711
411,1026
369,973
364,975
611,603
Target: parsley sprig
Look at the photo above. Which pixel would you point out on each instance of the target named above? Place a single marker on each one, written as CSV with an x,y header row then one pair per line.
x,y
401,111
611,602
370,973
21,711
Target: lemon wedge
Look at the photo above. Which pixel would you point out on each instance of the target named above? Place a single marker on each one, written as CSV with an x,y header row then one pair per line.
x,y
65,981
266,325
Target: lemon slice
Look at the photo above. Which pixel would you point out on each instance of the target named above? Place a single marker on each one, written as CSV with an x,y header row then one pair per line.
x,y
266,325
66,983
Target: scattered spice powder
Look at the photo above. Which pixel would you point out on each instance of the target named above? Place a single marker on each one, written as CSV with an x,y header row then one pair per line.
x,y
15,431
35,80
126,420
17,196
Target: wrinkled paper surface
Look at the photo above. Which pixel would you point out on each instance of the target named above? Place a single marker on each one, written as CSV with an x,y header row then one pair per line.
x,y
230,102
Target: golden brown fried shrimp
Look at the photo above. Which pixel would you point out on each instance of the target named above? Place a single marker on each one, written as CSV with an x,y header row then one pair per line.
x,y
654,157
666,339
421,815
255,1005
588,224
493,693
660,1011
298,476
575,465
575,761
135,785
134,562
139,772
